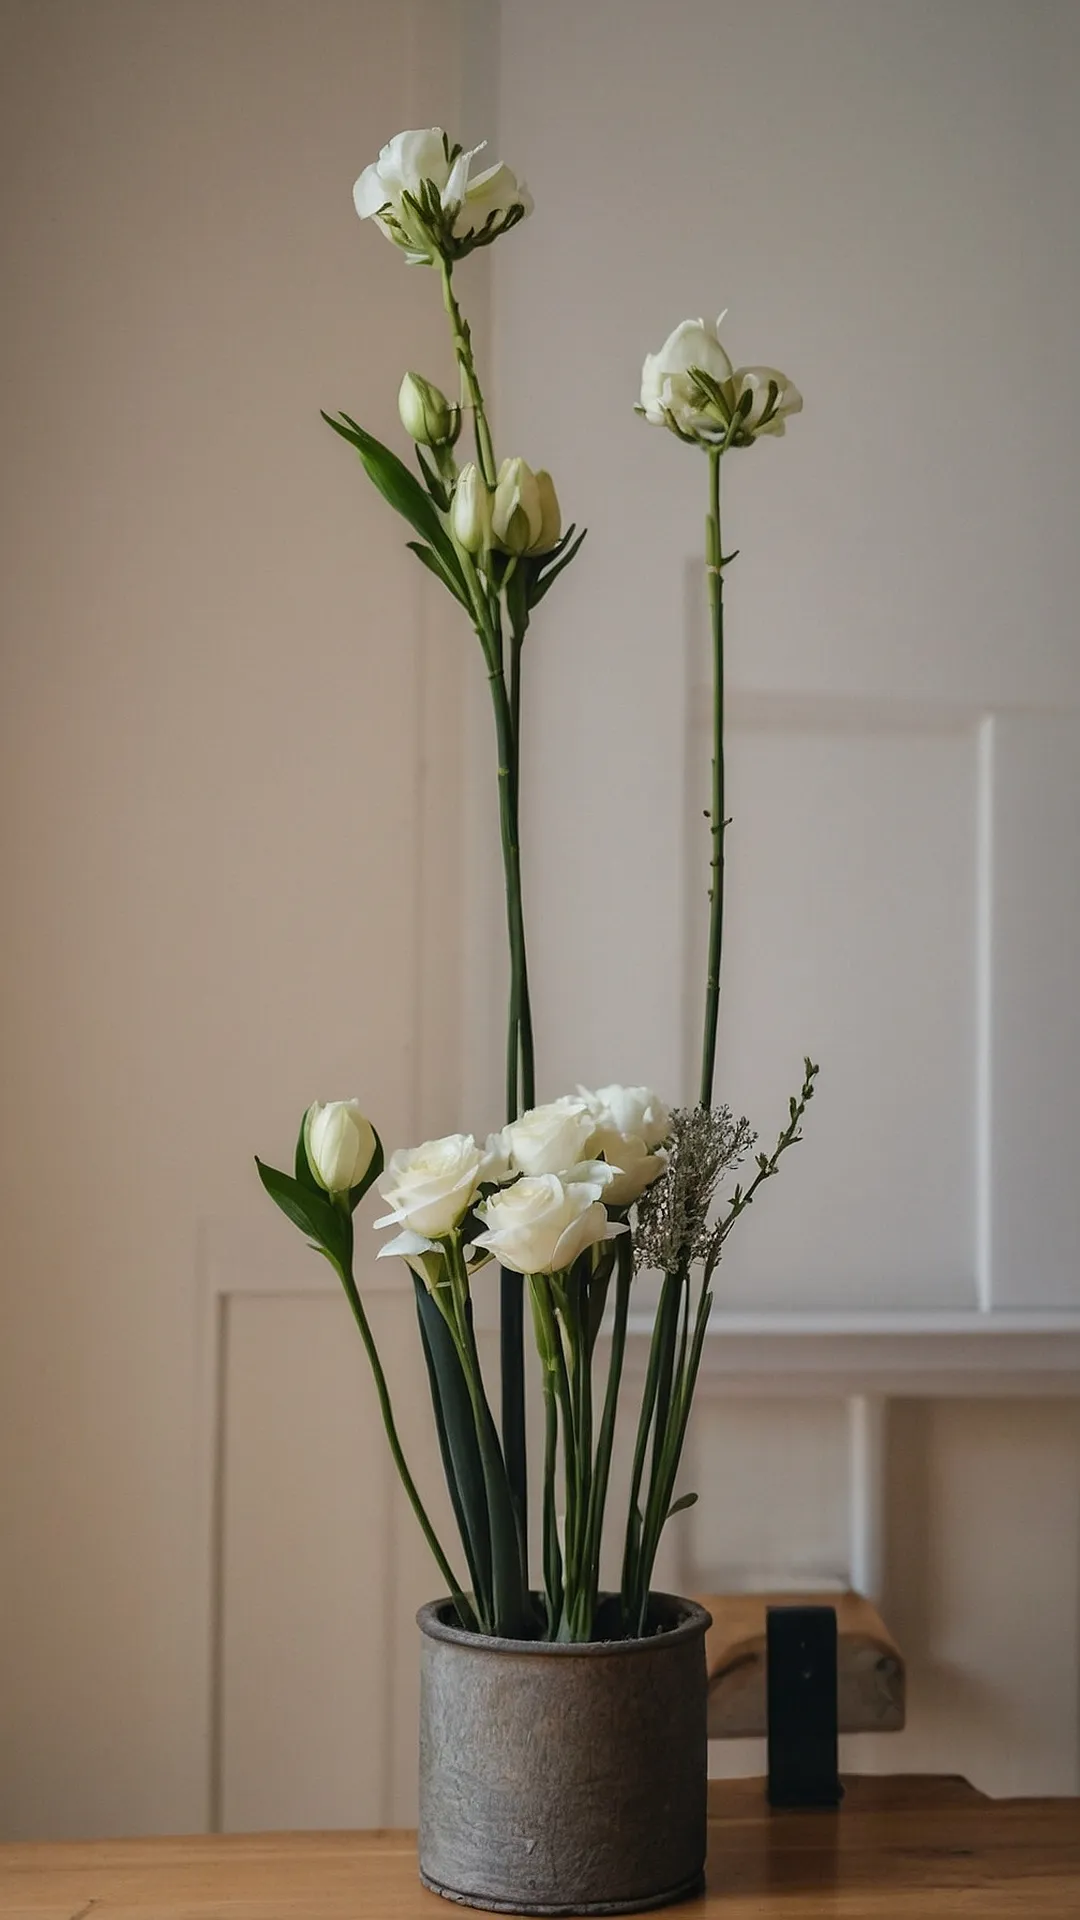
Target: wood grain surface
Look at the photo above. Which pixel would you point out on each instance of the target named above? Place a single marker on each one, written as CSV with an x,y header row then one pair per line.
x,y
898,1849
870,1673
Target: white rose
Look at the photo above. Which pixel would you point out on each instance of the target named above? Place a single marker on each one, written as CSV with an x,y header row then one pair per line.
x,y
668,395
552,1138
773,398
431,1188
635,1167
339,1143
636,1110
542,1223
403,165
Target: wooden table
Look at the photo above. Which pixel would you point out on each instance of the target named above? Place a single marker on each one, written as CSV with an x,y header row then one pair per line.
x,y
898,1849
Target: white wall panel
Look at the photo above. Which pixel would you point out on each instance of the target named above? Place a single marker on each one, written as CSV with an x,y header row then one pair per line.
x,y
307,1592
851,915
1035,1010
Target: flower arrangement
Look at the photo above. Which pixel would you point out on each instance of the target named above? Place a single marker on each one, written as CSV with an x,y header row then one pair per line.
x,y
572,1199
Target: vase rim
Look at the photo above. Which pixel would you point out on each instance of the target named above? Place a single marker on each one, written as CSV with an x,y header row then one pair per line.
x,y
690,1621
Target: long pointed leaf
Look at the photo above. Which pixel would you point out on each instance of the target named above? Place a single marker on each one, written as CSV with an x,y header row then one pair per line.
x,y
457,1443
313,1213
540,587
434,565
401,488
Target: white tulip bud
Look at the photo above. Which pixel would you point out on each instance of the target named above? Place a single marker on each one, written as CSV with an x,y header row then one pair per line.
x,y
517,516
426,413
470,510
340,1144
550,514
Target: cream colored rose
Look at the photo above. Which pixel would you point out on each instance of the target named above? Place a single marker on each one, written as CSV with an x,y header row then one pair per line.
x,y
636,1110
339,1143
542,1223
431,1188
550,1139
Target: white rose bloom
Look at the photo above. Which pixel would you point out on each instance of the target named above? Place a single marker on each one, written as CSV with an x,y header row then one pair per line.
x,y
552,1138
634,1166
495,1165
760,383
431,1188
339,1143
403,164
667,392
635,1110
542,1223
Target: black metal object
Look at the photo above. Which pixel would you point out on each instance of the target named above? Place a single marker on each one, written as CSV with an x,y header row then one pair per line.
x,y
801,1706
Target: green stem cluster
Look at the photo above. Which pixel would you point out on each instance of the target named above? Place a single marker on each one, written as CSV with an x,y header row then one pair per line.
x,y
567,1314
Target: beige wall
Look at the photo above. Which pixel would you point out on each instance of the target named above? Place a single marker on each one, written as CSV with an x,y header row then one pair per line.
x,y
228,888
218,667
884,194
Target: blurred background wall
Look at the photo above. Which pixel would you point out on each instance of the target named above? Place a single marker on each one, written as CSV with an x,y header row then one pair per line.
x,y
246,821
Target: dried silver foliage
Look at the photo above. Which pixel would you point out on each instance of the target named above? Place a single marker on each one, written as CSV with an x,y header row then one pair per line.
x,y
673,1215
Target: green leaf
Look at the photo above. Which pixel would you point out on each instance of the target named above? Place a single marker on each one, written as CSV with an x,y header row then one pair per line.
x,y
434,565
518,588
313,1213
398,486
457,1442
680,1505
305,1177
540,587
432,480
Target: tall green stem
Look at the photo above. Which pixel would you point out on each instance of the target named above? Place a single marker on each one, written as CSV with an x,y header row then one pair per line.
x,y
462,335
465,1612
714,565
520,1090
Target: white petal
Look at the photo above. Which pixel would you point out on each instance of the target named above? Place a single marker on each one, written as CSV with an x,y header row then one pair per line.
x,y
369,193
405,1244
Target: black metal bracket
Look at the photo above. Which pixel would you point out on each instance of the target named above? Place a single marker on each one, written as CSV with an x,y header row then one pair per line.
x,y
802,1715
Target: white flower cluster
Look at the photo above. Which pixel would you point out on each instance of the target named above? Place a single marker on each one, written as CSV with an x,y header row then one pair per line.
x,y
691,387
543,1189
420,194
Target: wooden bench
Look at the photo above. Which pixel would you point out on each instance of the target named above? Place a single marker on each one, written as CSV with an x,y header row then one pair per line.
x,y
870,1667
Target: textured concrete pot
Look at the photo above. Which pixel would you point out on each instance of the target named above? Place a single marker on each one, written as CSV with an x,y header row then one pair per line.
x,y
563,1779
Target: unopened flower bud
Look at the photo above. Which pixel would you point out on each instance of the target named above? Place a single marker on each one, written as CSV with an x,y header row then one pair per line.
x,y
470,510
550,514
517,515
340,1144
426,413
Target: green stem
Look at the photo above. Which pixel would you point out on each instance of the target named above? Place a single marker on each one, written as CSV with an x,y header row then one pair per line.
x,y
465,1612
714,564
462,336
520,1090
606,1439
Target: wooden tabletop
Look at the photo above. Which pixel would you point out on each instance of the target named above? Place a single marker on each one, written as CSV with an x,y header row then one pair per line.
x,y
898,1849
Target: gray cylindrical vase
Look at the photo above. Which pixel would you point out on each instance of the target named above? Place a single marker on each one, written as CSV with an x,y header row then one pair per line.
x,y
564,1779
